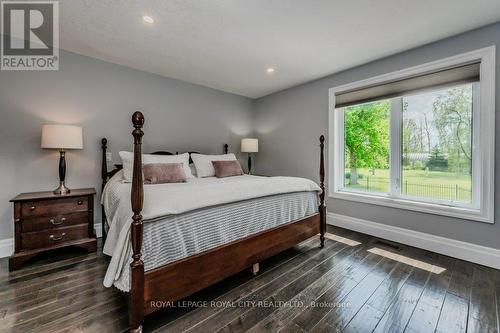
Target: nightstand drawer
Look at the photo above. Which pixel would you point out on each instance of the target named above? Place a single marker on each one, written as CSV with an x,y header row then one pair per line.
x,y
47,238
57,221
54,207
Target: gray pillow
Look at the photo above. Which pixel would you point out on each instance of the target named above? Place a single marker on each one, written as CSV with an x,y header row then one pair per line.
x,y
160,173
227,168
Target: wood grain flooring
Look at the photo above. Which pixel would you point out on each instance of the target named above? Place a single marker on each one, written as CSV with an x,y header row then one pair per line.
x,y
341,288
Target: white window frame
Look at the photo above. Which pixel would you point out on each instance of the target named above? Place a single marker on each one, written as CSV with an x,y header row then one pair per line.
x,y
483,142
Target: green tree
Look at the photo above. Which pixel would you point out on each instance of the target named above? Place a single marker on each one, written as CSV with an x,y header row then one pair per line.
x,y
366,136
412,139
437,161
453,120
413,136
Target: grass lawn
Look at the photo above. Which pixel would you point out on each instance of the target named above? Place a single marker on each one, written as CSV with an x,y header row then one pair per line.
x,y
420,183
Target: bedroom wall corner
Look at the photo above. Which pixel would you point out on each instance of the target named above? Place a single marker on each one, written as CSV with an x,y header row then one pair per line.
x,y
289,122
101,97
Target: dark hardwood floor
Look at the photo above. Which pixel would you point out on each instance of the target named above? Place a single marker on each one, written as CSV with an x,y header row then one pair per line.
x,y
357,283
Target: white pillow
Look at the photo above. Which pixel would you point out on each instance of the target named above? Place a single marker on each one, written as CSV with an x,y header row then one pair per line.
x,y
128,162
203,163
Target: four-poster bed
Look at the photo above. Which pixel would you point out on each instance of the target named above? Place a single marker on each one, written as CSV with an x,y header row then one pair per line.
x,y
181,278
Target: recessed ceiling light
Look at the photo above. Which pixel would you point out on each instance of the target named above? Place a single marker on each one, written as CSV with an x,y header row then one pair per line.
x,y
270,70
148,19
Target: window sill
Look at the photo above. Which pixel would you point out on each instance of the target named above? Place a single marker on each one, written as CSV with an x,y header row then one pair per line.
x,y
458,212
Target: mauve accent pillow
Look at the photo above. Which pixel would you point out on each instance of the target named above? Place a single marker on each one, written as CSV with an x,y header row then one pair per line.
x,y
160,173
227,168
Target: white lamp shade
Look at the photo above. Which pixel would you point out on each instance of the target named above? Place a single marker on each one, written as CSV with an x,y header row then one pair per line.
x,y
62,137
249,145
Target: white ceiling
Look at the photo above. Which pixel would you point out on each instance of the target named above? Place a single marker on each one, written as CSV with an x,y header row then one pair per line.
x,y
228,44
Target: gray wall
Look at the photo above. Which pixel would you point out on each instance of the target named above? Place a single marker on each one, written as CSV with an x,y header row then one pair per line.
x,y
101,97
288,124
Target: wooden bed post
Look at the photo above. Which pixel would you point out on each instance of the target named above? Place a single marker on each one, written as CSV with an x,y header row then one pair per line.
x,y
137,197
104,176
322,207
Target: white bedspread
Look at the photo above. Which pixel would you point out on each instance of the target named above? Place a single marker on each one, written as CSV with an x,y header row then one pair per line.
x,y
162,200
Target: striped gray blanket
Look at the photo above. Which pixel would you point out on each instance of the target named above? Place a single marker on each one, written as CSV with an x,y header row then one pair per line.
x,y
179,236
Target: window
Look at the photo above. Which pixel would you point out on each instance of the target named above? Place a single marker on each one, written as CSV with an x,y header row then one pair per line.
x,y
418,139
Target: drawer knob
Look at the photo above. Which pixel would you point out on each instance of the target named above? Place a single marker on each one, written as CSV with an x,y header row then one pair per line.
x,y
79,202
57,238
54,222
32,207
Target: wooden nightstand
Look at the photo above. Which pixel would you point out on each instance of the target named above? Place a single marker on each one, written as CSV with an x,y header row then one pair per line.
x,y
45,221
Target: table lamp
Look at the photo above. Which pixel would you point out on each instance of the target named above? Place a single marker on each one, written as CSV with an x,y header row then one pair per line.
x,y
249,145
62,137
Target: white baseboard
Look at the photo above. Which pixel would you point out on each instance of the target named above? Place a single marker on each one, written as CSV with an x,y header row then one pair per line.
x,y
454,248
7,245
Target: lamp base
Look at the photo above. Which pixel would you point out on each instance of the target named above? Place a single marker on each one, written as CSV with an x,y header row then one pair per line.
x,y
249,164
62,189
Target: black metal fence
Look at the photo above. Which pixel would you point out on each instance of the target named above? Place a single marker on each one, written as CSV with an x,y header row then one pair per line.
x,y
448,192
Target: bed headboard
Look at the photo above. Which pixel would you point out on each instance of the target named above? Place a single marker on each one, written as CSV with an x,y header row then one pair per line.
x,y
106,175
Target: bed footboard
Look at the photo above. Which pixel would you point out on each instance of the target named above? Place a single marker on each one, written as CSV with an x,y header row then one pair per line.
x,y
177,280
